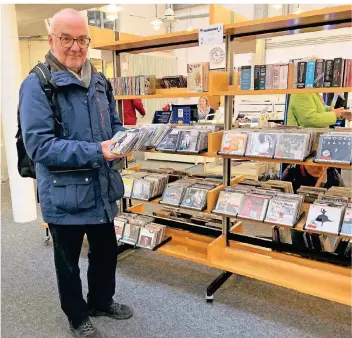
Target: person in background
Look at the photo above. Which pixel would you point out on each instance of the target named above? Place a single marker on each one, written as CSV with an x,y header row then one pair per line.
x,y
129,111
312,176
204,109
309,110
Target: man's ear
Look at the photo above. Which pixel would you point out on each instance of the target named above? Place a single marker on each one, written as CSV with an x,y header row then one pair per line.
x,y
50,40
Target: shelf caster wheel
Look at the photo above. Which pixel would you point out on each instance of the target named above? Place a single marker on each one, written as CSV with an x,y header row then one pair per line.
x,y
209,299
46,240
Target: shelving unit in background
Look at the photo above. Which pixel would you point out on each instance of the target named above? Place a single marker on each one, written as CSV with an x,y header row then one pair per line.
x,y
232,251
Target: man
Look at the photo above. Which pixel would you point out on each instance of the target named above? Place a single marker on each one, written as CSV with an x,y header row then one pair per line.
x,y
78,189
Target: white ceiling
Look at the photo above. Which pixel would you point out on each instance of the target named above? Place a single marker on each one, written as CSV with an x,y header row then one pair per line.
x,y
30,18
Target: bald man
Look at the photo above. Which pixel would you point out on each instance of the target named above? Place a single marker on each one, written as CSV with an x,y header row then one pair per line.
x,y
78,188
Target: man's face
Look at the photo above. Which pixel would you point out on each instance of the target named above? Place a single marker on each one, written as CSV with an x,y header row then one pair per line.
x,y
73,27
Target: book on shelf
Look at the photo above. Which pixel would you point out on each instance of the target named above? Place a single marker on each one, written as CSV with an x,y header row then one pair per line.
x,y
346,228
246,74
310,73
197,77
347,79
328,73
276,76
262,77
337,78
301,74
319,73
269,77
283,76
256,77
290,78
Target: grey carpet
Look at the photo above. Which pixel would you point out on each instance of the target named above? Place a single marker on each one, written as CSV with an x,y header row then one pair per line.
x,y
167,296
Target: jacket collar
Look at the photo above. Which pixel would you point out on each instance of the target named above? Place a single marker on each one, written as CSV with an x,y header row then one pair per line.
x,y
65,78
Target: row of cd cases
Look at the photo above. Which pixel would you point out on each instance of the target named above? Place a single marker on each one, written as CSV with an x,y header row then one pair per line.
x,y
265,203
334,147
163,137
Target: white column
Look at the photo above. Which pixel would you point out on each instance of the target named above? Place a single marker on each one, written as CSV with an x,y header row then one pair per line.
x,y
22,190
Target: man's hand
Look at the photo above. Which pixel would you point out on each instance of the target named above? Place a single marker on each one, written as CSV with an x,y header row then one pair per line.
x,y
105,148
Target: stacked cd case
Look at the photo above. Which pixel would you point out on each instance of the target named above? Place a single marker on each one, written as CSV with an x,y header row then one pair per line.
x,y
335,147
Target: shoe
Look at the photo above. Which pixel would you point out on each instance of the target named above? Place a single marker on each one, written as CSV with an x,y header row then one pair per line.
x,y
85,330
115,310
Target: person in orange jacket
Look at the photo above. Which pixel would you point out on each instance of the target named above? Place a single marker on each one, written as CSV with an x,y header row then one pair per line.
x,y
129,111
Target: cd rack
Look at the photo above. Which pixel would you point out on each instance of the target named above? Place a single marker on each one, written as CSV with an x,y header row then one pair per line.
x,y
231,251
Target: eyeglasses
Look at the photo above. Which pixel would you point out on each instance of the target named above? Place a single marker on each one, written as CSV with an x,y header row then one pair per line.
x,y
67,41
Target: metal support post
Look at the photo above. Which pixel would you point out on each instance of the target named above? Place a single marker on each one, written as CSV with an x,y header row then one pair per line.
x,y
228,122
216,284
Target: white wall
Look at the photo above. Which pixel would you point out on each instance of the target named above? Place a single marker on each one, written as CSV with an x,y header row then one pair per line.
x,y
324,44
135,19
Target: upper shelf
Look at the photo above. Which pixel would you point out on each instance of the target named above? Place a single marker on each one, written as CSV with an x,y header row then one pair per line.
x,y
331,18
335,17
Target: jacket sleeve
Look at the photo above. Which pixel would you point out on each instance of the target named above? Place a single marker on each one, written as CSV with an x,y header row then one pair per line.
x,y
307,115
137,104
116,124
42,146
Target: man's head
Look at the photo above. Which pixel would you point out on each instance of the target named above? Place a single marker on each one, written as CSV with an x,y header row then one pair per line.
x,y
66,25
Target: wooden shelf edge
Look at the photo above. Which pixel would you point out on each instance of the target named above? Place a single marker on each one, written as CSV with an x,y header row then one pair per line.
x,y
282,91
288,273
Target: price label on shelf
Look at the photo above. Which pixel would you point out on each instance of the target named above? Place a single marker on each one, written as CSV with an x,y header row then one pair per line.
x,y
211,35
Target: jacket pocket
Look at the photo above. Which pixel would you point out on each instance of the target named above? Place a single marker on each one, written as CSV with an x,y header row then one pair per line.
x,y
72,191
116,188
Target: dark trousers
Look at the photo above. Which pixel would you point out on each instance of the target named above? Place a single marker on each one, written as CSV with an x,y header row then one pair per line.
x,y
102,258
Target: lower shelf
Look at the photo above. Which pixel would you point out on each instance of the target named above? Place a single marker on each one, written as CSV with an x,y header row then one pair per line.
x,y
187,246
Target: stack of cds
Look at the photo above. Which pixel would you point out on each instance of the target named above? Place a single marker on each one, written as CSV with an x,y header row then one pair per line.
x,y
335,147
149,186
174,192
271,144
195,196
151,135
346,228
258,203
233,143
138,230
185,140
326,217
125,141
284,209
261,144
128,181
293,146
170,141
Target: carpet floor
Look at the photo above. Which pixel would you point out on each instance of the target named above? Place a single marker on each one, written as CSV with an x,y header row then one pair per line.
x,y
167,296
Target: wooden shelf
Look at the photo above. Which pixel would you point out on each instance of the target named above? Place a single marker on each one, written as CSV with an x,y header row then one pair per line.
x,y
328,18
186,245
331,18
311,277
164,93
235,92
309,161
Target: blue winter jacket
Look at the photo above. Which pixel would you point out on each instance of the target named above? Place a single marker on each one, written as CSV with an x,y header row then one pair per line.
x,y
83,188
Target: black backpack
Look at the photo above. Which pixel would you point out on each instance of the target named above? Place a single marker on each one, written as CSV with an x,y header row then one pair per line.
x,y
25,165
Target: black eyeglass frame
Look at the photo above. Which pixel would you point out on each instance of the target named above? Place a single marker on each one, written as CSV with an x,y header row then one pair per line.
x,y
73,41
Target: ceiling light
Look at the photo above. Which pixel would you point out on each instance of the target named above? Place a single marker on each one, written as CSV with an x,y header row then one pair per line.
x,y
156,22
111,16
277,6
189,28
113,8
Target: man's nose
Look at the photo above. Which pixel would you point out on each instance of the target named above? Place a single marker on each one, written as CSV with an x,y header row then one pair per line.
x,y
75,47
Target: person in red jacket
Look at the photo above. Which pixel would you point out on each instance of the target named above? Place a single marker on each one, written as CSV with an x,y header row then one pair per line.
x,y
129,111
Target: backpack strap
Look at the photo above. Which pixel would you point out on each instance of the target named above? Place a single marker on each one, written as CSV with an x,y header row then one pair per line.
x,y
49,88
108,87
